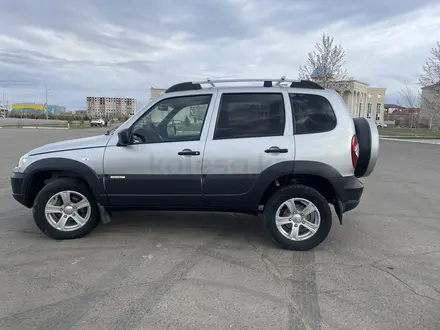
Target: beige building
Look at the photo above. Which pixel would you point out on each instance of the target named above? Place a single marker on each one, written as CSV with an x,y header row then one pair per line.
x,y
363,101
155,92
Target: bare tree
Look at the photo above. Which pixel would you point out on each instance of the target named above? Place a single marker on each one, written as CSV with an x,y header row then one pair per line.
x,y
411,100
430,82
325,64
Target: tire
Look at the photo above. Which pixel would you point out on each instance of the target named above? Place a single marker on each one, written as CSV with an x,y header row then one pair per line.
x,y
78,188
368,139
298,192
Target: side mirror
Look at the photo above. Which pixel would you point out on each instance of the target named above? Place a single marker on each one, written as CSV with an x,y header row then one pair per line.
x,y
124,137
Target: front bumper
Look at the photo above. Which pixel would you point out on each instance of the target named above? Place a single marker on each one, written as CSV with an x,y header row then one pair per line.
x,y
354,189
18,184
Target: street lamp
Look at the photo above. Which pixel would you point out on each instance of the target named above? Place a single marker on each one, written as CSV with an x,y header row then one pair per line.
x,y
46,89
45,84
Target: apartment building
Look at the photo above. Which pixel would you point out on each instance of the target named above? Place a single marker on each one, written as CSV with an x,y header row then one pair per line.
x,y
110,107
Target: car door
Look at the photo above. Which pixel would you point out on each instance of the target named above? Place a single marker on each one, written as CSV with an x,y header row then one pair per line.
x,y
250,134
161,167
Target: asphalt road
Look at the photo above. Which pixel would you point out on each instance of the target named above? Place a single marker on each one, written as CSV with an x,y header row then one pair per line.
x,y
153,270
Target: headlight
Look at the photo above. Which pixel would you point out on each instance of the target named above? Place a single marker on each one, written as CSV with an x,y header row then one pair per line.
x,y
22,160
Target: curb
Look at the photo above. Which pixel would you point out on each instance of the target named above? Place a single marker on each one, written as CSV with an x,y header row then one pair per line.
x,y
431,141
38,127
35,127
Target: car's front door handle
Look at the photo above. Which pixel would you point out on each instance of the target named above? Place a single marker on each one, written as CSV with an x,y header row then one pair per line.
x,y
188,152
276,150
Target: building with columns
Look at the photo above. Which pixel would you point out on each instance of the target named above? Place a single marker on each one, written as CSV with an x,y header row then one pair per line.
x,y
362,100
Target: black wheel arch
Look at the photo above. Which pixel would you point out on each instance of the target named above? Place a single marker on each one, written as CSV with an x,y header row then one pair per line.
x,y
320,176
40,169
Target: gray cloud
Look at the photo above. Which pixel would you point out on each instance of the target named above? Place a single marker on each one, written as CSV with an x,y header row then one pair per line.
x,y
123,48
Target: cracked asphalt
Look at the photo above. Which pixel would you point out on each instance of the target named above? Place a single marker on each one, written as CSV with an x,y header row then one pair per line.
x,y
171,270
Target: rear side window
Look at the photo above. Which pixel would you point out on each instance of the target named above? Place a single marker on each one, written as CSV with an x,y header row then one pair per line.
x,y
247,115
312,114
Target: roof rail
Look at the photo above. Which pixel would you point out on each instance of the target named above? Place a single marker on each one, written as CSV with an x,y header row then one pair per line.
x,y
267,81
196,85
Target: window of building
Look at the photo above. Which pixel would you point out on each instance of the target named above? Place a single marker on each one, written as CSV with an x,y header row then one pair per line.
x,y
369,110
378,106
312,114
248,115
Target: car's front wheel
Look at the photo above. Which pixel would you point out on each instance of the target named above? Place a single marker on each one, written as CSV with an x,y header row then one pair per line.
x,y
65,209
298,217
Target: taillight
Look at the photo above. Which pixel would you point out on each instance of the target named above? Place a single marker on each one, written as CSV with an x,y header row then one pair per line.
x,y
354,150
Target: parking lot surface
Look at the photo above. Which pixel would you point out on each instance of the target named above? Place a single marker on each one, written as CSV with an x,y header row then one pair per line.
x,y
172,270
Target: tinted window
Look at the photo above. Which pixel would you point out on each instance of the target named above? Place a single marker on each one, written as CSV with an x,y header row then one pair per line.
x,y
250,115
312,114
173,119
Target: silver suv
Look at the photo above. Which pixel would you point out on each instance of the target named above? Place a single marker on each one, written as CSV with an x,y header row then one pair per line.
x,y
285,150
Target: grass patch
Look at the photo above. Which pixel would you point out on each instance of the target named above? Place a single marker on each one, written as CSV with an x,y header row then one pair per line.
x,y
409,133
413,137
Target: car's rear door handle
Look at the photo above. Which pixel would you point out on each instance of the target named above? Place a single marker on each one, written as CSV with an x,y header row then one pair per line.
x,y
276,150
188,152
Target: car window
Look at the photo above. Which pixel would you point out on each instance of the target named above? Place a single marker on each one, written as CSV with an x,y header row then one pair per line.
x,y
247,115
312,113
173,119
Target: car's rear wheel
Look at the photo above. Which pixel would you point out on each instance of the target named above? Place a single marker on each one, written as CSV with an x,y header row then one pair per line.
x,y
298,217
65,209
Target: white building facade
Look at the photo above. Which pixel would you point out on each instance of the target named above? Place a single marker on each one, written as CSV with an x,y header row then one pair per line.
x,y
110,107
363,100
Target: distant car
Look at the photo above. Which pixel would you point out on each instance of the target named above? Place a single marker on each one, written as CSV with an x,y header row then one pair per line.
x,y
381,124
97,122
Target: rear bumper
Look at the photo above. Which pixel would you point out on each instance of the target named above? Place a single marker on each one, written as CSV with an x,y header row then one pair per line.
x,y
353,189
18,187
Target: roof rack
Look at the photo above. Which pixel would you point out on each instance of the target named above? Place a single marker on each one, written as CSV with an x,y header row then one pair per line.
x,y
196,85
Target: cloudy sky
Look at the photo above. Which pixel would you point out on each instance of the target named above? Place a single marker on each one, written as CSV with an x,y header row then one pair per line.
x,y
122,48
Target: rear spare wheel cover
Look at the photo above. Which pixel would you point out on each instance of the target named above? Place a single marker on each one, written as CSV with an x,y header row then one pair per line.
x,y
368,139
